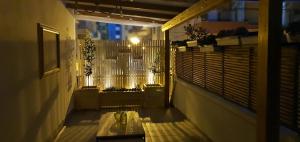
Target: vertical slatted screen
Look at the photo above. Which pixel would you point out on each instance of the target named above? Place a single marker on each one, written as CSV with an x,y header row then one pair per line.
x,y
231,73
122,64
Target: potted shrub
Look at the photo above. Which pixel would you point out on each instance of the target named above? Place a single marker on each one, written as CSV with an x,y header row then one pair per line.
x,y
208,44
199,37
237,36
230,37
192,34
155,68
196,35
251,38
88,52
180,45
181,48
113,96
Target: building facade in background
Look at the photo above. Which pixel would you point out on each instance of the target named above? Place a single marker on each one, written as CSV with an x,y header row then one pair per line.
x,y
111,31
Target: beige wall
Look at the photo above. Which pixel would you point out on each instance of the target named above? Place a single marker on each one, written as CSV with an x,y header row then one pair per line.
x,y
31,108
219,119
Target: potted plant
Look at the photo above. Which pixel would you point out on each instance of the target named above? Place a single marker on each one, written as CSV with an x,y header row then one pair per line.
x,y
181,48
154,69
88,52
191,32
230,37
251,38
199,37
180,45
237,36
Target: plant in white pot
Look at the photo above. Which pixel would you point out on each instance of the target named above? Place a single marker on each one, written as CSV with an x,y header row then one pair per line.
x,y
154,69
88,52
199,37
193,33
180,45
236,37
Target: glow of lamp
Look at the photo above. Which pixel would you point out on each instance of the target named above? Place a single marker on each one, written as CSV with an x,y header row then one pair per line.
x,y
150,78
89,80
134,40
77,66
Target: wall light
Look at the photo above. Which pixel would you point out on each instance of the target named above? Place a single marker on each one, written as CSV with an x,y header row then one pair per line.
x,y
134,40
77,66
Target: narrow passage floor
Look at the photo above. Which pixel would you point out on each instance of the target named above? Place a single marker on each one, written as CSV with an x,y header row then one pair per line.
x,y
160,125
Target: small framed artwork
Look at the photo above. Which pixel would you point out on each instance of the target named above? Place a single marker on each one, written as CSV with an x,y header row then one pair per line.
x,y
49,50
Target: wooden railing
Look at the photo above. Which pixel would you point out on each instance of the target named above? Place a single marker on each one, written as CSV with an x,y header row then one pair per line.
x,y
231,73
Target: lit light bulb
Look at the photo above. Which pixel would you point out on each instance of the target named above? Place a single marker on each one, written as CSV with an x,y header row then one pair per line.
x,y
134,40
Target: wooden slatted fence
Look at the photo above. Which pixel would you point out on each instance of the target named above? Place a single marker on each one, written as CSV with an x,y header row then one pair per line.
x,y
231,73
122,64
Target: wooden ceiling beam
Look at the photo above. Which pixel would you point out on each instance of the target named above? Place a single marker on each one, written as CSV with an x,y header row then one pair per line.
x,y
140,19
117,11
201,7
133,4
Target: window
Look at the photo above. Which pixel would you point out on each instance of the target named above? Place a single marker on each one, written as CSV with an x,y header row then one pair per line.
x,y
117,28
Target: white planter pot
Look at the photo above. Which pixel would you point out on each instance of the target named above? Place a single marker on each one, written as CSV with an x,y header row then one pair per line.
x,y
181,49
249,40
208,48
227,41
192,43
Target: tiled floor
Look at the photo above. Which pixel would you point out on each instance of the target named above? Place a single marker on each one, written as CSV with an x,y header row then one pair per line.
x,y
160,125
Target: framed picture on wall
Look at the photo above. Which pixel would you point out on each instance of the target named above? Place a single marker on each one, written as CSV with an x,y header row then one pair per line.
x,y
49,50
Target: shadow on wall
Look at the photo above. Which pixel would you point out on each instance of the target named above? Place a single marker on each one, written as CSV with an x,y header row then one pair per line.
x,y
20,70
36,124
31,106
57,88
18,84
68,56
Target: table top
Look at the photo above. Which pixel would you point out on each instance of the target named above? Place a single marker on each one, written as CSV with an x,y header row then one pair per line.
x,y
110,129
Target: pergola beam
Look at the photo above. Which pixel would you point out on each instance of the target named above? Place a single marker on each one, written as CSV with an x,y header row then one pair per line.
x,y
167,68
268,75
198,8
133,4
103,15
117,11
